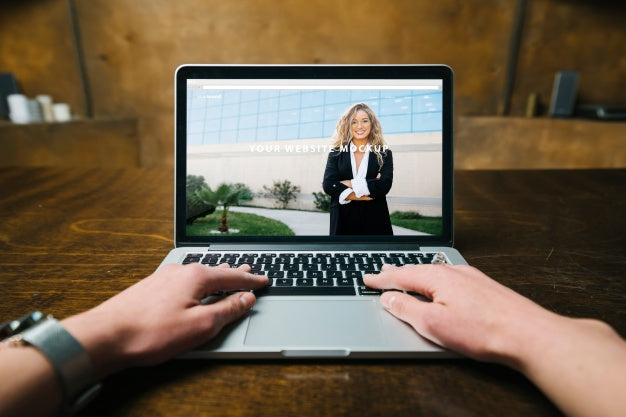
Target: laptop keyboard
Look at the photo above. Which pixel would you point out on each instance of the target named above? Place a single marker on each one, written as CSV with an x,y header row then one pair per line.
x,y
314,273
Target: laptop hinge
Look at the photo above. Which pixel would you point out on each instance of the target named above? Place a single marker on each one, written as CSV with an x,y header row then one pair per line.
x,y
294,246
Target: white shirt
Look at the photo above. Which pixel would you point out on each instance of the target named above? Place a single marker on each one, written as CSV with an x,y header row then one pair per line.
x,y
359,183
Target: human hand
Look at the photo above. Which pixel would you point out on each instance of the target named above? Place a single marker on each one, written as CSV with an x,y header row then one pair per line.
x,y
353,197
347,183
469,312
162,315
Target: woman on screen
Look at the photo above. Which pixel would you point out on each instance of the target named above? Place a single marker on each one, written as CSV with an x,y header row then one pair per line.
x,y
358,175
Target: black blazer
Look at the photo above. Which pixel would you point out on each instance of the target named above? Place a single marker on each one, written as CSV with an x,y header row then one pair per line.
x,y
359,217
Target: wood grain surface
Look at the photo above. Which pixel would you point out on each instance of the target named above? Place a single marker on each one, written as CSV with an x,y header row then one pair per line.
x,y
72,238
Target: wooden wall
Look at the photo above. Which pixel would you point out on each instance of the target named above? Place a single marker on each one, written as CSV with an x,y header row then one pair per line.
x,y
133,47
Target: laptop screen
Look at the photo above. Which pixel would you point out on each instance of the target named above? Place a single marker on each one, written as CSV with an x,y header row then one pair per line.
x,y
322,153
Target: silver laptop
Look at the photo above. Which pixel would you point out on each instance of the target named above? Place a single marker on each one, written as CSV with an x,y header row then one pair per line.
x,y
314,176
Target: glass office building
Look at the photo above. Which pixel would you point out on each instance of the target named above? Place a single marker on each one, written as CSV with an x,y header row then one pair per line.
x,y
239,116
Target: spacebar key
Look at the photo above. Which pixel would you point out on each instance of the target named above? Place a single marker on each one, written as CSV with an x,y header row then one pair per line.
x,y
306,291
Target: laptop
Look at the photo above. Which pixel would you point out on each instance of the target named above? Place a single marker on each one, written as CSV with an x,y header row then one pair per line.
x,y
314,175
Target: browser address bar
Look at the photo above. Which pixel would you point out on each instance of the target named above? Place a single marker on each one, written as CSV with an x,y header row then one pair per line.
x,y
320,87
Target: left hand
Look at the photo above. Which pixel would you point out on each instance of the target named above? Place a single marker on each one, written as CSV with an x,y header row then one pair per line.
x,y
162,315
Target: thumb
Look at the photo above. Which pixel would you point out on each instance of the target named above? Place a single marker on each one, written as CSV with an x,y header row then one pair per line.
x,y
421,315
227,310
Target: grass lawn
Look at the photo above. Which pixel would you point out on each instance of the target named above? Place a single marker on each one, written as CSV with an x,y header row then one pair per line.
x,y
247,224
415,221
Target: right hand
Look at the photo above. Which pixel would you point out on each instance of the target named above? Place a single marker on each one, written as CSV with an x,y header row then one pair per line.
x,y
469,313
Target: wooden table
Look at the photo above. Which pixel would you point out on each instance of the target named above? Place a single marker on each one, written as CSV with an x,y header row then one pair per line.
x,y
72,238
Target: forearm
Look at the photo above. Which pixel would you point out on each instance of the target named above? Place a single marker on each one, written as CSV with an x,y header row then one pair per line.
x,y
579,364
34,389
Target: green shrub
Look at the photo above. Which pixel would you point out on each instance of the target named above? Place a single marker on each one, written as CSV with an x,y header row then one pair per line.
x,y
196,207
246,192
407,215
322,201
283,192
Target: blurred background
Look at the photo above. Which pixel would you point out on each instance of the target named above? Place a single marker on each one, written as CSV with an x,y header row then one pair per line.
x,y
113,63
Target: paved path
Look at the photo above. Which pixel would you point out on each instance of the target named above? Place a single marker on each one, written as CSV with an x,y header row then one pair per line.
x,y
307,223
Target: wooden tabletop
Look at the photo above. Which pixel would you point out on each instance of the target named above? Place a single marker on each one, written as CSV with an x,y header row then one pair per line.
x,y
71,238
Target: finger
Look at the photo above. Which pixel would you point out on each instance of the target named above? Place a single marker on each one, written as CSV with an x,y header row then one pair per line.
x,y
419,278
421,315
231,279
227,310
244,267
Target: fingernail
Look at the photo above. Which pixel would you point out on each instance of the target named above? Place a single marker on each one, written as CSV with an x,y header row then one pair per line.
x,y
247,299
387,300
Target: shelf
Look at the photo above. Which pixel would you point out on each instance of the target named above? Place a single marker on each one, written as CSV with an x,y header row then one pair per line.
x,y
103,143
538,143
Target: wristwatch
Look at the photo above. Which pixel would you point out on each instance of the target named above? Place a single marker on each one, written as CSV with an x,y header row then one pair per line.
x,y
68,357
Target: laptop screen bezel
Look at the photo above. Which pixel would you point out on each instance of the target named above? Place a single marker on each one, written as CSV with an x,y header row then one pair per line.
x,y
278,72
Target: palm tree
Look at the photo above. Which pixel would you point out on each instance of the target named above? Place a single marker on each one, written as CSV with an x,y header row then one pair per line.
x,y
225,195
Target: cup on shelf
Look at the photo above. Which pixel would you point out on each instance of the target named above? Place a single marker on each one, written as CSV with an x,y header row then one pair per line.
x,y
61,112
45,102
19,111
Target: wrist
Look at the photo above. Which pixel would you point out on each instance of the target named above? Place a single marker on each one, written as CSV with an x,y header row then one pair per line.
x,y
518,341
101,338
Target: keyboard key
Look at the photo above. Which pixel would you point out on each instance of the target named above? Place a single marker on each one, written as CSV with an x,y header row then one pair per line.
x,y
295,274
345,282
275,274
304,282
313,274
324,282
367,267
354,274
291,267
306,291
210,261
229,261
369,291
284,282
334,274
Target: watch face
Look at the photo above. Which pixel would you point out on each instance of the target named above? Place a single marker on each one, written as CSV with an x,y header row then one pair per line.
x,y
14,327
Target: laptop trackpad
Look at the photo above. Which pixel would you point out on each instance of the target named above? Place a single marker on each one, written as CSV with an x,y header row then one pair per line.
x,y
315,322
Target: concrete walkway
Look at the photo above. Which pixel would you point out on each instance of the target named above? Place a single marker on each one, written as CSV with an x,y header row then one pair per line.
x,y
307,223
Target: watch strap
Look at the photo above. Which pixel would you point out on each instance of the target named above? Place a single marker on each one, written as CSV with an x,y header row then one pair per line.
x,y
68,357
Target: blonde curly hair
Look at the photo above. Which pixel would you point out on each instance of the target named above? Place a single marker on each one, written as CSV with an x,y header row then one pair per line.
x,y
343,133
